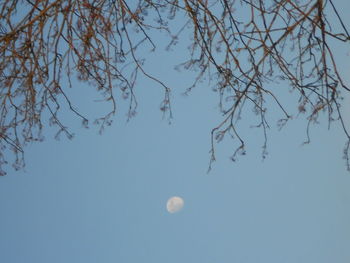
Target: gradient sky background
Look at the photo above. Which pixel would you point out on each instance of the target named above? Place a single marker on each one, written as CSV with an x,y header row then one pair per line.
x,y
103,198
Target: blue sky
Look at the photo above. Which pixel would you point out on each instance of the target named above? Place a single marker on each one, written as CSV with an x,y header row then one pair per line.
x,y
103,198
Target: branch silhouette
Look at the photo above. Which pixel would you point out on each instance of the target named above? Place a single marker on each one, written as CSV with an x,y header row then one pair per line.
x,y
46,44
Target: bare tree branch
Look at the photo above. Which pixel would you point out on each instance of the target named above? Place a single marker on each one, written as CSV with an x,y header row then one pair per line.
x,y
240,46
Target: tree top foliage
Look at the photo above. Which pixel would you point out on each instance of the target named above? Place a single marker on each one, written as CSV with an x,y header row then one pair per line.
x,y
45,44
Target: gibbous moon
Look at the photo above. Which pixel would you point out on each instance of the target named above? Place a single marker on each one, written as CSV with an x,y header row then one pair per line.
x,y
174,204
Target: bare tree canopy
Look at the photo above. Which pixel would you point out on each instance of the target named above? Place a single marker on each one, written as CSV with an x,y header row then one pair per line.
x,y
46,44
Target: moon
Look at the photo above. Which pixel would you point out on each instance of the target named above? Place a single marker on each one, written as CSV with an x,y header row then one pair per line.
x,y
174,204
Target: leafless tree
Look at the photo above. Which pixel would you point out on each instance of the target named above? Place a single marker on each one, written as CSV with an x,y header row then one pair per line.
x,y
45,44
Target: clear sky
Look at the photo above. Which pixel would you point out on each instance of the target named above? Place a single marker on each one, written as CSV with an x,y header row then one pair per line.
x,y
103,198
